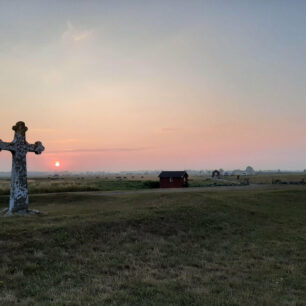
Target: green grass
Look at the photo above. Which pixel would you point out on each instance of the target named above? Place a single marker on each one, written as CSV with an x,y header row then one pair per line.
x,y
45,185
111,183
209,182
200,248
269,178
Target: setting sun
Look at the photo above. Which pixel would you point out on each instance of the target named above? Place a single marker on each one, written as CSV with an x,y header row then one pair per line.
x,y
57,164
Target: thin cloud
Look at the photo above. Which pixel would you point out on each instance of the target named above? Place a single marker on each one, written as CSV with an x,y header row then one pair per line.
x,y
75,35
43,130
99,150
171,129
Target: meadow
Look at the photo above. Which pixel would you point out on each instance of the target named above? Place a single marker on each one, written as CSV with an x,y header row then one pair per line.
x,y
109,183
89,183
217,247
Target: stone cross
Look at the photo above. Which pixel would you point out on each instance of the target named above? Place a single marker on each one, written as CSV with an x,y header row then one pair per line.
x,y
19,200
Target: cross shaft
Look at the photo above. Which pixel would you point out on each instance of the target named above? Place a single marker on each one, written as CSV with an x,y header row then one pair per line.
x,y
19,147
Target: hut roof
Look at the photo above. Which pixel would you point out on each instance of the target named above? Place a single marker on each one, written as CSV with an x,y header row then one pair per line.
x,y
166,174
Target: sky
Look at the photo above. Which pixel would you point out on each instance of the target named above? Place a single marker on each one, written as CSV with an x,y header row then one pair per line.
x,y
161,84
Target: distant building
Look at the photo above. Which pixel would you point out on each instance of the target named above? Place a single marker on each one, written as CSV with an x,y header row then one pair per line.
x,y
173,179
237,172
216,174
250,171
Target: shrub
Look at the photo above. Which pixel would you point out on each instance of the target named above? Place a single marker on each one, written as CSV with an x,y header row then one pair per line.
x,y
150,184
277,181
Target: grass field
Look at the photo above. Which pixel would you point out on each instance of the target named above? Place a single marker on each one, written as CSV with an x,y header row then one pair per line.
x,y
103,183
195,248
71,184
269,178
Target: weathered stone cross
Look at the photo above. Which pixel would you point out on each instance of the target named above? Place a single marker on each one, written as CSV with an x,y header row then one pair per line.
x,y
19,200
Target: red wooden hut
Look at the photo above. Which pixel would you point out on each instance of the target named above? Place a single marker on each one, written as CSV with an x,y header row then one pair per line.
x,y
173,179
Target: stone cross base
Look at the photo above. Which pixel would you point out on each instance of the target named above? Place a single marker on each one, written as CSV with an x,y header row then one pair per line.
x,y
26,212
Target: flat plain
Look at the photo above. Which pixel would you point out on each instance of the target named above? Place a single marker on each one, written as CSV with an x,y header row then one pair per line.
x,y
206,247
55,184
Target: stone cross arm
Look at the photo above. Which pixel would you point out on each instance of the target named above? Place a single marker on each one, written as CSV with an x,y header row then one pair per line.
x,y
8,146
37,147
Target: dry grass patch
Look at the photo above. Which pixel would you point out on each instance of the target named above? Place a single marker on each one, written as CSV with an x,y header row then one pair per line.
x,y
216,248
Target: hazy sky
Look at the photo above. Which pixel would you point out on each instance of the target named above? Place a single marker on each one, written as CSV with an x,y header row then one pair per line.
x,y
127,85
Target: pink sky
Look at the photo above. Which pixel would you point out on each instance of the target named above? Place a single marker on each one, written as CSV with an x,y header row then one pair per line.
x,y
127,87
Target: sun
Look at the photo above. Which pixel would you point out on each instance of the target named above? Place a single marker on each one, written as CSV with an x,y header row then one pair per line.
x,y
57,164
